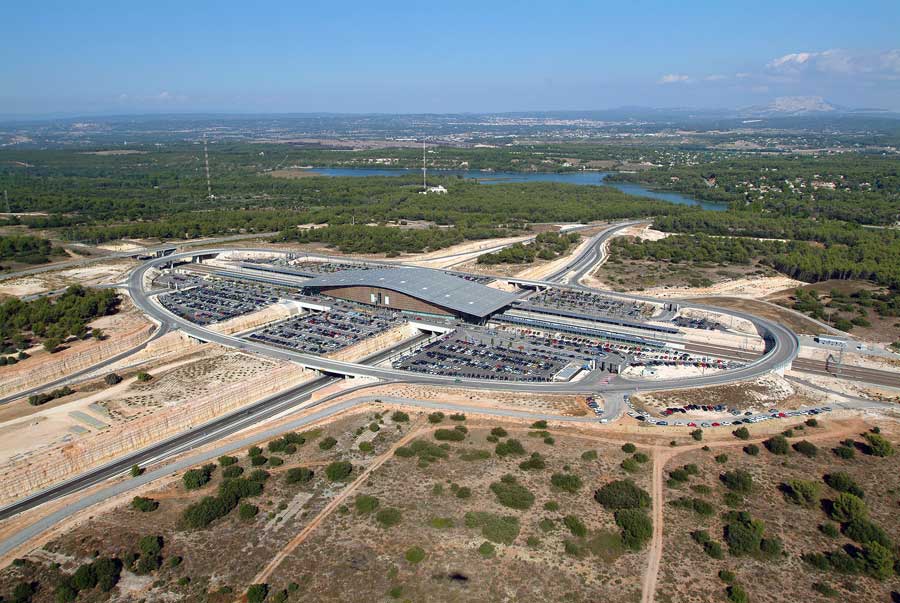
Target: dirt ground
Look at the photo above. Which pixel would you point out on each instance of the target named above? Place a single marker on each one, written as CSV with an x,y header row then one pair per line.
x,y
104,273
883,329
688,574
349,552
763,392
792,320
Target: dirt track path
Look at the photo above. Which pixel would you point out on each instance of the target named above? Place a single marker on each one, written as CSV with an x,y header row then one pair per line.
x,y
297,540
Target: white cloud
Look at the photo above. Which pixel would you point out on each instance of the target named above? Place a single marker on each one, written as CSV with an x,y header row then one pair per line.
x,y
838,62
714,78
674,78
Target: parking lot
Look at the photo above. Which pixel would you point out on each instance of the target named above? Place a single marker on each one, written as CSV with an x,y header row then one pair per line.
x,y
589,303
325,332
216,301
505,355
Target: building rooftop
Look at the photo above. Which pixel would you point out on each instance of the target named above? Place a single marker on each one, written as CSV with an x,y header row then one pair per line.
x,y
433,286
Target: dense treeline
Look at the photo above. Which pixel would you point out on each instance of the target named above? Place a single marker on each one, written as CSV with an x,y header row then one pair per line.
x,y
383,239
53,320
845,251
866,188
25,249
546,246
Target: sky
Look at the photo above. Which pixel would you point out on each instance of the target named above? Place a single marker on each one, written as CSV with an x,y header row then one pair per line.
x,y
97,57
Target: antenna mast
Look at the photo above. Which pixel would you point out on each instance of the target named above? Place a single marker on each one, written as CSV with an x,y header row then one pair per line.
x,y
209,194
424,169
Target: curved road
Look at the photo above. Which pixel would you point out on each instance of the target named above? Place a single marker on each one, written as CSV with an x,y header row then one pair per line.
x,y
782,345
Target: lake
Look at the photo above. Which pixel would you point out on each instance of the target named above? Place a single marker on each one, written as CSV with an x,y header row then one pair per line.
x,y
583,178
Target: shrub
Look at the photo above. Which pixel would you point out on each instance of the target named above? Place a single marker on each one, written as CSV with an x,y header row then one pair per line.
x,y
830,530
807,449
441,523
144,505
549,441
751,449
741,433
878,560
84,578
143,377
877,445
210,508
713,549
847,507
697,434
388,517
464,492
824,589
721,458
863,531
136,471
551,505
801,492
258,475
535,462
254,451
726,576
486,549
458,417
366,447
400,417
539,425
298,475
510,446
513,495
844,452
112,379
225,461
698,505
575,525
630,465
436,417
232,471
257,593
197,478
743,535
812,422
771,547
258,460
246,511
338,470
451,435
737,481
499,432
737,594
679,475
276,461
365,503
568,482
108,572
327,443
414,554
496,528
842,482
589,455
777,444
640,457
622,494
637,527
629,448
733,499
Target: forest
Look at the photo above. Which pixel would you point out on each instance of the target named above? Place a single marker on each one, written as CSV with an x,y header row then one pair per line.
x,y
546,246
857,188
53,320
25,249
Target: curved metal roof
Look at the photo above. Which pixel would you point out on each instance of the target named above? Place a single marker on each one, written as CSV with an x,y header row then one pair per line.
x,y
433,286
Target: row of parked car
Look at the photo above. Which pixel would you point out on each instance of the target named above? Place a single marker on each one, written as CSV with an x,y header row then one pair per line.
x,y
747,417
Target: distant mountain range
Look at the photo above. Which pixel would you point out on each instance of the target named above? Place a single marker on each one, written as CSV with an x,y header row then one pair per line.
x,y
786,106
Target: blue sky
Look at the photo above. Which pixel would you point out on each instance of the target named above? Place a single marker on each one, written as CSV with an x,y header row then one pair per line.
x,y
396,57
